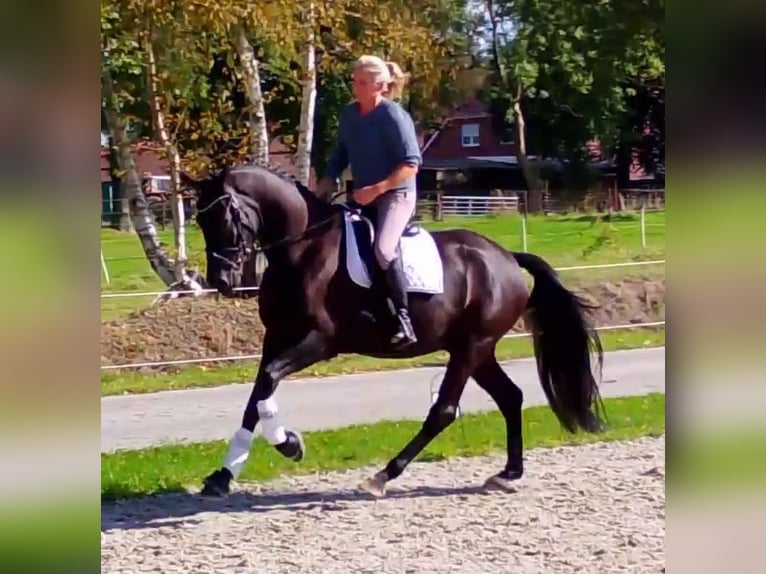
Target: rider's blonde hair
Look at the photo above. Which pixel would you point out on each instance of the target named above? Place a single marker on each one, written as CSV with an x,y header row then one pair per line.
x,y
387,72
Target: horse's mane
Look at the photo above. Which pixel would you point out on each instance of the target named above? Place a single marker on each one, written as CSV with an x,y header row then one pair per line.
x,y
281,173
314,201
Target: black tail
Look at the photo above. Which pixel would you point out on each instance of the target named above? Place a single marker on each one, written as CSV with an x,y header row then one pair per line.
x,y
563,340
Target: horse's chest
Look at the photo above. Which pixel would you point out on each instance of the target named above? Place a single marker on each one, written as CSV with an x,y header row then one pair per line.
x,y
281,301
280,306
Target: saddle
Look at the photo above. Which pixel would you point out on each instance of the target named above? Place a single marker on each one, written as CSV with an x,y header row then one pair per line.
x,y
369,213
420,257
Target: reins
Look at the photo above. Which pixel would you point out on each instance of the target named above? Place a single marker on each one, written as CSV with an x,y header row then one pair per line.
x,y
288,239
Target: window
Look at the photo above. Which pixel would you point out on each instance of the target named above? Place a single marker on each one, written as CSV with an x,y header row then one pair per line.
x,y
508,136
469,135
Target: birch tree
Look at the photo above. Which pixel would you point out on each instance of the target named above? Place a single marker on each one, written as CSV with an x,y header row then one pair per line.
x,y
513,83
308,96
119,57
133,32
257,125
154,91
141,218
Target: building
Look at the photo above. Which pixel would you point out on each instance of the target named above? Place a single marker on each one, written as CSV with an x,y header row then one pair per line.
x,y
155,173
468,154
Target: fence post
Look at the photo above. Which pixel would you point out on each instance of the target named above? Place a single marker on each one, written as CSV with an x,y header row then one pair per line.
x,y
104,269
643,226
524,222
524,232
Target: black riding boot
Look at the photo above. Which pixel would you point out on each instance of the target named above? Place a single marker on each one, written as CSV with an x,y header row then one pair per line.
x,y
397,289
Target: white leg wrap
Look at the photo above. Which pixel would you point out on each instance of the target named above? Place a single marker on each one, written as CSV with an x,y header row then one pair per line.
x,y
239,450
435,396
273,432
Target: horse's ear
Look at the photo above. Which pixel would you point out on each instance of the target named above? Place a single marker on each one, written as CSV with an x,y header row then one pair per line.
x,y
223,173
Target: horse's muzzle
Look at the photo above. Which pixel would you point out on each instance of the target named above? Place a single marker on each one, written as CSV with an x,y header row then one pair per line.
x,y
227,281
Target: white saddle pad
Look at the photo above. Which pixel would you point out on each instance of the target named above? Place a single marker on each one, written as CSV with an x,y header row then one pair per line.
x,y
421,260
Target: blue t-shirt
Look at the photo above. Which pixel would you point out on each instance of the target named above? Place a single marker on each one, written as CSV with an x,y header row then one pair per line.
x,y
374,144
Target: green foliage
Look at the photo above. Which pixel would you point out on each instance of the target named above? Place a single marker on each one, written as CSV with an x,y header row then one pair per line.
x,y
334,93
575,66
199,77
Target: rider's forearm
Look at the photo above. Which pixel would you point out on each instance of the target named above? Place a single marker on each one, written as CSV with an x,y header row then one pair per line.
x,y
399,175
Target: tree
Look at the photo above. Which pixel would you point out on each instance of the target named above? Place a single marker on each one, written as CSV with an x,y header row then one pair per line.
x,y
574,66
259,133
308,96
643,130
120,58
429,39
141,219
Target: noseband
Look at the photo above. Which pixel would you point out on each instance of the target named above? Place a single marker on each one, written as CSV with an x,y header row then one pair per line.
x,y
244,248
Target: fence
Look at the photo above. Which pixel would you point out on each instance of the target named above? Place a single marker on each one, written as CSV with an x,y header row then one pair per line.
x,y
653,324
158,196
472,206
148,364
135,294
487,201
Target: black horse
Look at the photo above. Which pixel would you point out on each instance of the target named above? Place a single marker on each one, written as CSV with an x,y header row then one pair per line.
x,y
313,310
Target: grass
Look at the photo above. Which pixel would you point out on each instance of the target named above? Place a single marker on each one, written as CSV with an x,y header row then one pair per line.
x,y
174,468
129,381
562,240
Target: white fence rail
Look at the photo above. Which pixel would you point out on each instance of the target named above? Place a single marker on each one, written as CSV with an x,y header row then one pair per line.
x,y
652,324
128,294
475,206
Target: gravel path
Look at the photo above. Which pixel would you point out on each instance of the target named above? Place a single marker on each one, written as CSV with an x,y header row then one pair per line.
x,y
198,415
595,508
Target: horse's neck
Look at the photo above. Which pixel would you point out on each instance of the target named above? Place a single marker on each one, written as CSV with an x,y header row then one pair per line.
x,y
318,210
290,215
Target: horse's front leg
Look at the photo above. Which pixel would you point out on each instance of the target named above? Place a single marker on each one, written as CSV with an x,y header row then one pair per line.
x,y
262,406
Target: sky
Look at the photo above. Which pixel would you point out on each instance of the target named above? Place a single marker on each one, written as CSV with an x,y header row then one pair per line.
x,y
479,7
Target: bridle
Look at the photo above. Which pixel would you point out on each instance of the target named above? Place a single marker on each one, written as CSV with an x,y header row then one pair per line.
x,y
245,248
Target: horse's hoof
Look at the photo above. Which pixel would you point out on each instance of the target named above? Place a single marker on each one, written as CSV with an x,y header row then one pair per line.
x,y
503,482
375,486
293,448
217,484
301,447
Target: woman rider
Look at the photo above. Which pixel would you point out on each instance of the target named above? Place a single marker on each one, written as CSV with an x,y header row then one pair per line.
x,y
376,138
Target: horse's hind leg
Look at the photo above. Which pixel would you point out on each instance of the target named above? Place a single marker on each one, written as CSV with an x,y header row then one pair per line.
x,y
491,377
442,413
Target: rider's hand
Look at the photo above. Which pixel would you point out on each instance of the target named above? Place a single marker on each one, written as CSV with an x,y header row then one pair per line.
x,y
367,194
326,187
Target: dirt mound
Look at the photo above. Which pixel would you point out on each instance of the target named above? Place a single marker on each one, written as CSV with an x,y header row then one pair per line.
x,y
215,327
184,329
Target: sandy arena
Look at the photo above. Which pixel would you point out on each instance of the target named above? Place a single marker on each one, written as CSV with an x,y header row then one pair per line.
x,y
598,508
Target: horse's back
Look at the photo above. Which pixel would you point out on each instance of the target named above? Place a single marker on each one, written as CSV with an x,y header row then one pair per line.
x,y
490,275
458,243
